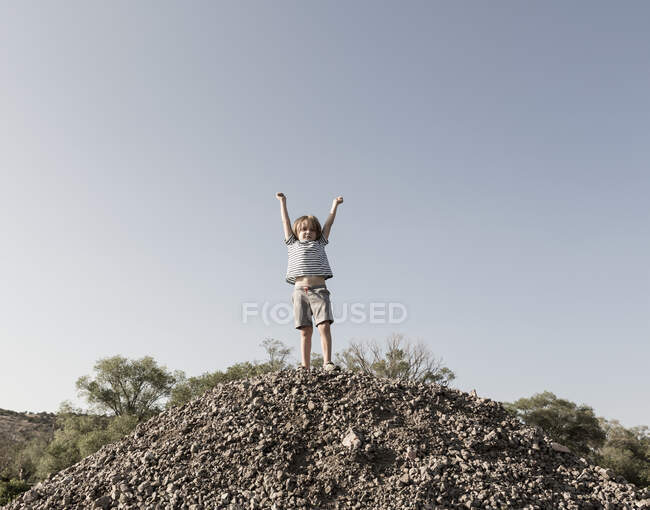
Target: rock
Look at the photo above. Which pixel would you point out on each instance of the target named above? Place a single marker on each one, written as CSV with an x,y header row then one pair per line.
x,y
30,496
103,502
411,453
560,448
351,440
491,435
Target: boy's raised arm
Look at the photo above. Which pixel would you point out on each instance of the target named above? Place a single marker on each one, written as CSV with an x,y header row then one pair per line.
x,y
286,222
327,226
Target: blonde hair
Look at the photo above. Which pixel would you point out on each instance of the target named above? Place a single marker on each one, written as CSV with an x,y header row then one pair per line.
x,y
312,221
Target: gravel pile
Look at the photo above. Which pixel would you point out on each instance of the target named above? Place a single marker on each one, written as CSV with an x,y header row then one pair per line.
x,y
333,440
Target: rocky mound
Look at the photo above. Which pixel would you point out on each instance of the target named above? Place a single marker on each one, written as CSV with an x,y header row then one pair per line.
x,y
333,440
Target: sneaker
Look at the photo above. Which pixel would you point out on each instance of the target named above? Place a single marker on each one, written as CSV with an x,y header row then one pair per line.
x,y
330,366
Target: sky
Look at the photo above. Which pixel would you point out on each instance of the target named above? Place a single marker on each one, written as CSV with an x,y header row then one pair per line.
x,y
493,159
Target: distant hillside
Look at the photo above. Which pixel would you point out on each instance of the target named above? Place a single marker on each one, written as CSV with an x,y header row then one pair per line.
x,y
17,428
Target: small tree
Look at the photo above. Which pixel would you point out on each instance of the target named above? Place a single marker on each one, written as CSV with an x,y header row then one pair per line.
x,y
277,353
567,423
194,387
128,387
626,452
27,457
399,360
79,435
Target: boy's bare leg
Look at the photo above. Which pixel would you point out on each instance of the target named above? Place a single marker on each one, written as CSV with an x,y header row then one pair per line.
x,y
326,341
305,344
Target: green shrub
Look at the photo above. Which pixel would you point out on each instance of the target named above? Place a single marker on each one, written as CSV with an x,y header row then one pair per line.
x,y
11,490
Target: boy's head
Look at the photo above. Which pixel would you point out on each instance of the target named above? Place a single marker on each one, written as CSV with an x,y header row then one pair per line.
x,y
307,228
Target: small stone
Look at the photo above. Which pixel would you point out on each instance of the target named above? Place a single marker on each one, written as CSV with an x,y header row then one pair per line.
x,y
560,448
103,502
351,440
490,436
144,488
30,497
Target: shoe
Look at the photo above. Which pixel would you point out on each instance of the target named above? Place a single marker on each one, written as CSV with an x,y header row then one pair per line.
x,y
328,367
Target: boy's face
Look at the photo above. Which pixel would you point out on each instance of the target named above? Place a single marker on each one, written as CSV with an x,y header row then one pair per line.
x,y
306,232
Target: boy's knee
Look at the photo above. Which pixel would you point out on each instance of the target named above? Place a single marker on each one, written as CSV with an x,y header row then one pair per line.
x,y
306,330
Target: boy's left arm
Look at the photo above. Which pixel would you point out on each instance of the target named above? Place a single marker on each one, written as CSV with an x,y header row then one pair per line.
x,y
330,219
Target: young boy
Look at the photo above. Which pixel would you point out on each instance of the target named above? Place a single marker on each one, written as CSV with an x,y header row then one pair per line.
x,y
307,270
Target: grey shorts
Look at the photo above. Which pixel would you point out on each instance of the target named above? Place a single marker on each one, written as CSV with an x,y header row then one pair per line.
x,y
311,300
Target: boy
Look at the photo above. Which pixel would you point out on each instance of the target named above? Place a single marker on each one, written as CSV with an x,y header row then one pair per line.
x,y
307,270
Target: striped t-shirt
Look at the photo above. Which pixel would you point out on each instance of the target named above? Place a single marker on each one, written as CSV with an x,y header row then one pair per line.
x,y
307,258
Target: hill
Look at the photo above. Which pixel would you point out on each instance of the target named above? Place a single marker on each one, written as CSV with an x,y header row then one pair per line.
x,y
331,441
20,427
16,428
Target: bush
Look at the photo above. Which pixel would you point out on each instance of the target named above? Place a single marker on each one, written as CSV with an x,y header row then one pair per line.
x,y
80,436
11,490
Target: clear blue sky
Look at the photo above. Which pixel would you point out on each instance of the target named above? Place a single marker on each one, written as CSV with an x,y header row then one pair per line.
x,y
493,158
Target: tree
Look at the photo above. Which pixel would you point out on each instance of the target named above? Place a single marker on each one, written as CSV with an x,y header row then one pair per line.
x,y
567,423
13,476
79,435
194,387
7,454
128,387
626,452
277,353
401,360
26,458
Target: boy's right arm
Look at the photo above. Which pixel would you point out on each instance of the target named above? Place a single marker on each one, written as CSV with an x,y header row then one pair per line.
x,y
286,222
